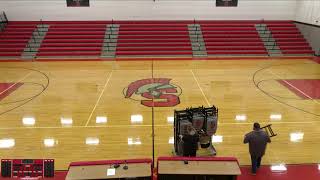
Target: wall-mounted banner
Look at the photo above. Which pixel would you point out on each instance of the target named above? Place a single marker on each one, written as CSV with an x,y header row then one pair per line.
x,y
226,3
77,3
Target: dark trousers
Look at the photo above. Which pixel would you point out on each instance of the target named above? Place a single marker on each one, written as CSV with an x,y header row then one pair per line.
x,y
190,153
255,163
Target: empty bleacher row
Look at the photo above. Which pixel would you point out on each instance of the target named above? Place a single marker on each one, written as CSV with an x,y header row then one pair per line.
x,y
153,38
232,38
73,39
150,38
14,39
289,39
82,38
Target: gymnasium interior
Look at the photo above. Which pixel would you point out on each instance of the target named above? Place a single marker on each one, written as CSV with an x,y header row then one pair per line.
x,y
103,89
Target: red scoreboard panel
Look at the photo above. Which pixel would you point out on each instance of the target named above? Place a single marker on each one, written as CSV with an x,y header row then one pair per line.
x,y
17,168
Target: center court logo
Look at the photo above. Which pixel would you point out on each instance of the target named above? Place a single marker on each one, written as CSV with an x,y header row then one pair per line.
x,y
154,92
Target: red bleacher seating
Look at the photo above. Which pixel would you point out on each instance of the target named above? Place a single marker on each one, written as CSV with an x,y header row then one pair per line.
x,y
69,53
289,39
14,39
174,40
152,38
232,38
82,38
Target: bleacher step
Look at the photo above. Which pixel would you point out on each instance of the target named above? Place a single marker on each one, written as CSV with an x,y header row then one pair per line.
x,y
197,41
269,42
109,45
34,43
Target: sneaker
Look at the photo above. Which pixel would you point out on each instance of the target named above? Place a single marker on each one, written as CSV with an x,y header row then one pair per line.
x,y
253,174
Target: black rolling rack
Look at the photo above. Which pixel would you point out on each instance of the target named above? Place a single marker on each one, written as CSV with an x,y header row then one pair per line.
x,y
188,115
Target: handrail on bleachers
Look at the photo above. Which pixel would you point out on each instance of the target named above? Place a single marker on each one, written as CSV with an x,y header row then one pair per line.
x,y
33,38
3,21
269,36
3,17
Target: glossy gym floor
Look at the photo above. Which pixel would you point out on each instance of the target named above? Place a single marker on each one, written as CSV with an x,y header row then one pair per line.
x,y
78,110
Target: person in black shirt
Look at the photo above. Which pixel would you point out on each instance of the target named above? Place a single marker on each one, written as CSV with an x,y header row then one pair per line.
x,y
190,143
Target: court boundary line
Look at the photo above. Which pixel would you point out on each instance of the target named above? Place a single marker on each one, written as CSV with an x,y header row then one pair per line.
x,y
32,97
142,125
169,58
194,77
21,79
98,100
256,83
306,95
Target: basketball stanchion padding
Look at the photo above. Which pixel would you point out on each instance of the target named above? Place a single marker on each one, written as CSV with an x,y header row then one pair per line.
x,y
6,168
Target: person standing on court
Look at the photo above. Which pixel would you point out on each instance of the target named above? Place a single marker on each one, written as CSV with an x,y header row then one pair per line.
x,y
190,143
257,140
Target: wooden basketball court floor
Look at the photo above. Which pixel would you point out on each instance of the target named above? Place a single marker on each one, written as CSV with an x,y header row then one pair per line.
x,y
78,111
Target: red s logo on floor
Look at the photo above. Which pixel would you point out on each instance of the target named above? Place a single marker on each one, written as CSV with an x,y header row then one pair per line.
x,y
155,92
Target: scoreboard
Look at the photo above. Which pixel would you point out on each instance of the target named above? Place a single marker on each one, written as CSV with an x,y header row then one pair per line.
x,y
226,3
17,168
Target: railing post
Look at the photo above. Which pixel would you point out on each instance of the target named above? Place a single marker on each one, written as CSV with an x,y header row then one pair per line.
x,y
5,17
197,33
41,23
266,29
37,31
28,46
111,33
2,21
34,40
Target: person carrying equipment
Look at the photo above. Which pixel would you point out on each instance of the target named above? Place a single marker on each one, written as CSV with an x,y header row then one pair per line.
x,y
257,140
